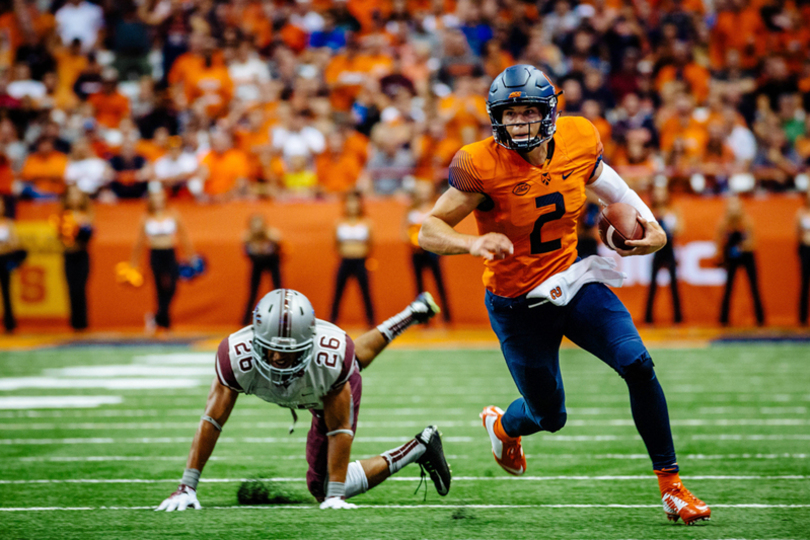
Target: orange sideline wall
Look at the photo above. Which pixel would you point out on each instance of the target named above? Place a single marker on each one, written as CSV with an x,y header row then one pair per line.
x,y
218,297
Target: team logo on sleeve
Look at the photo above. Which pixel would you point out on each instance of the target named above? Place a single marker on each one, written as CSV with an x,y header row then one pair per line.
x,y
521,189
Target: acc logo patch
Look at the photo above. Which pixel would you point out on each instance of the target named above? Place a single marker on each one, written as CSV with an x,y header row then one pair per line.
x,y
545,178
515,95
521,189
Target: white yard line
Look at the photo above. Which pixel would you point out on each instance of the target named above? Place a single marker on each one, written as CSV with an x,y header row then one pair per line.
x,y
562,478
629,457
395,424
396,507
297,440
57,402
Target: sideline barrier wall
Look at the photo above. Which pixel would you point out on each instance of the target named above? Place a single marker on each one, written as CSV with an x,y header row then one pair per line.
x,y
310,263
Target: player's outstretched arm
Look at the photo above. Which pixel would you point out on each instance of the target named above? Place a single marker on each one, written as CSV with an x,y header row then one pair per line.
x,y
337,415
611,188
439,236
221,400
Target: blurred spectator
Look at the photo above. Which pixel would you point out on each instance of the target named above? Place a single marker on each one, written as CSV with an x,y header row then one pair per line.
x,y
79,19
635,161
632,115
299,177
684,68
86,170
263,248
75,227
738,27
803,237
474,26
390,162
24,86
109,105
457,58
330,35
739,138
297,137
89,80
735,241
776,162
225,169
248,72
34,54
208,85
130,42
11,146
671,221
717,161
177,168
776,81
161,230
9,248
353,241
338,168
561,22
421,205
802,145
131,173
43,173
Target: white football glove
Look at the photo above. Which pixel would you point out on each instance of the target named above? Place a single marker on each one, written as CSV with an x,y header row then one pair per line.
x,y
181,499
336,503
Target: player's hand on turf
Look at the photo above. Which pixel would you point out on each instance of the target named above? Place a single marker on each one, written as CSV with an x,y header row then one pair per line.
x,y
184,497
336,503
654,239
492,246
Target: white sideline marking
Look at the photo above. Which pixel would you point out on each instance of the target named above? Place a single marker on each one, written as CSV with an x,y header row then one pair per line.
x,y
177,359
57,402
391,507
404,424
132,370
647,478
17,383
196,411
697,457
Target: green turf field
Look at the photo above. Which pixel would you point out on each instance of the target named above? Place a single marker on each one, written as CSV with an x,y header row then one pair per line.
x,y
740,421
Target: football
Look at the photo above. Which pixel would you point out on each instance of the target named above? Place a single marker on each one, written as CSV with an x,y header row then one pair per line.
x,y
617,223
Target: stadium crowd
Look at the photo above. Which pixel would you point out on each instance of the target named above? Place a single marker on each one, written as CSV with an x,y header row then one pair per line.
x,y
273,98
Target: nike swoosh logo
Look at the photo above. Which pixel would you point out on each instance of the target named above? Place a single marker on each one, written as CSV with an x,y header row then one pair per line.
x,y
565,176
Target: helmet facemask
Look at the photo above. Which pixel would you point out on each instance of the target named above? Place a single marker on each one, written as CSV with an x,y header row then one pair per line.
x,y
548,123
263,352
283,322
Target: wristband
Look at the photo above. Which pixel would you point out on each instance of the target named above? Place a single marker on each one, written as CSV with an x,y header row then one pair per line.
x,y
191,478
336,489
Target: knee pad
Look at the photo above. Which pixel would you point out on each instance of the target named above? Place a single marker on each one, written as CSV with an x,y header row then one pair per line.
x,y
554,422
640,371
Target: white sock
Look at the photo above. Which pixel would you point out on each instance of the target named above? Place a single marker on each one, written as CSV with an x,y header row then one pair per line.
x,y
403,455
356,481
396,324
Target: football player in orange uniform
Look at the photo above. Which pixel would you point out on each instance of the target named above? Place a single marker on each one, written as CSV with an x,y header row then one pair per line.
x,y
526,186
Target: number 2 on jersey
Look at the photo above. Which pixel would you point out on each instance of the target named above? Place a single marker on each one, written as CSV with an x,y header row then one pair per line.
x,y
538,246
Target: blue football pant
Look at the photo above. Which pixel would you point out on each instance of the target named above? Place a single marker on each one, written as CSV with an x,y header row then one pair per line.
x,y
597,321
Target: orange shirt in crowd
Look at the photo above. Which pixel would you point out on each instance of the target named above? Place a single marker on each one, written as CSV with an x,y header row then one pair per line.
x,y
251,144
463,112
357,144
694,136
695,75
637,175
252,21
68,69
743,32
10,27
149,150
224,170
110,108
346,74
363,11
337,173
47,173
213,86
189,63
802,146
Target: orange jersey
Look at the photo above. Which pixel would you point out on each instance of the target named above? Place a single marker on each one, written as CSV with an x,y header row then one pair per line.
x,y
535,207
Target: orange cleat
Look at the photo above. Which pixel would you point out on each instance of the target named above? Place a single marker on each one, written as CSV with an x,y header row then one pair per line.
x,y
680,503
507,450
